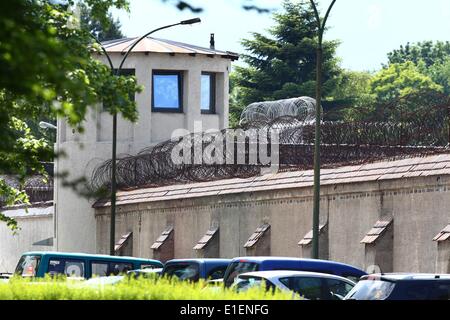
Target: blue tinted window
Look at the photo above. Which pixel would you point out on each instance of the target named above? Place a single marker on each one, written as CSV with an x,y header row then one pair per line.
x,y
206,92
207,103
167,91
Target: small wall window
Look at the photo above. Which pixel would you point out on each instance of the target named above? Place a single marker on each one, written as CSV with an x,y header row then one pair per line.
x,y
167,91
208,92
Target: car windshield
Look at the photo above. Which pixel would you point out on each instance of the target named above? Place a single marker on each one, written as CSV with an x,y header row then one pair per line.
x,y
243,283
237,268
183,271
371,290
28,266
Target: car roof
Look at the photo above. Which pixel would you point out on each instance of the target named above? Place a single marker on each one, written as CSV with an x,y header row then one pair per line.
x,y
203,260
292,259
87,255
261,259
291,273
148,270
409,276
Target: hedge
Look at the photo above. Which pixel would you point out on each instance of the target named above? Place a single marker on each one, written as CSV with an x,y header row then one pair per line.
x,y
153,288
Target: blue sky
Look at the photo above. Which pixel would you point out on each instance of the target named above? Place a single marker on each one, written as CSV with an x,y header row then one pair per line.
x,y
367,29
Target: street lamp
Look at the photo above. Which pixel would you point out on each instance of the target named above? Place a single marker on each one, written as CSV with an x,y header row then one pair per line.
x,y
316,198
46,125
114,134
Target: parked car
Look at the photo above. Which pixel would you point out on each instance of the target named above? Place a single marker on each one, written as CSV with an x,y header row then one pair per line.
x,y
401,287
195,269
37,264
249,264
5,275
309,285
111,280
102,281
146,272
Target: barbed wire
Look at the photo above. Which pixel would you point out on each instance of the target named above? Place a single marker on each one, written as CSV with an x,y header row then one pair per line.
x,y
286,127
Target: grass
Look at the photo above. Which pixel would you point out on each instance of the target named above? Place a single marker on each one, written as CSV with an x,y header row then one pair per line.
x,y
129,289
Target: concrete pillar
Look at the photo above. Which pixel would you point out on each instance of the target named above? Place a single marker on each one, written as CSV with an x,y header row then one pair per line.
x,y
306,244
208,246
124,246
259,242
191,97
164,246
443,257
379,250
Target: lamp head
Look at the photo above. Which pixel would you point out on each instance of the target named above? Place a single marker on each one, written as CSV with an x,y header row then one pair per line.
x,y
191,21
46,125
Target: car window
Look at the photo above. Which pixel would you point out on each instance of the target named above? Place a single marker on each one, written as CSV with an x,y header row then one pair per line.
x,y
149,266
244,283
371,290
183,271
413,291
99,269
67,267
308,287
237,268
355,279
103,268
441,291
338,288
216,273
117,268
28,266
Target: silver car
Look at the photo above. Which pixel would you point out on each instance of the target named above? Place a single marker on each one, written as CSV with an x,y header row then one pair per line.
x,y
309,285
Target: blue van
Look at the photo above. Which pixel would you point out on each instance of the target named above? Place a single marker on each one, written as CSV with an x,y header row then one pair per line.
x,y
82,265
249,264
196,269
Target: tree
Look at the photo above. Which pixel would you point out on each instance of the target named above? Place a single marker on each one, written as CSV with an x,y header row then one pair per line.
x,y
103,33
440,73
398,81
352,91
48,70
284,65
428,52
431,58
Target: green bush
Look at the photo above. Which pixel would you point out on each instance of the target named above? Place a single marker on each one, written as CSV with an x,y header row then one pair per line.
x,y
128,289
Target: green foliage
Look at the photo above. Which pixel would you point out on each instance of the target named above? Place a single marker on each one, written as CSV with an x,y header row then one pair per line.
x,y
352,91
428,52
153,288
400,80
284,65
440,73
103,33
48,70
431,58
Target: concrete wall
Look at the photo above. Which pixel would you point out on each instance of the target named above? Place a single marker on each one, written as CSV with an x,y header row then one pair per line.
x,y
419,207
35,225
75,221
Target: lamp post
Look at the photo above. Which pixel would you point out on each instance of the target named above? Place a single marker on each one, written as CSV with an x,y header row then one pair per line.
x,y
316,197
114,133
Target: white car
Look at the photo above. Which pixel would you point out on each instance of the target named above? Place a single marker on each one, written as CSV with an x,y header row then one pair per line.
x,y
309,285
102,281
